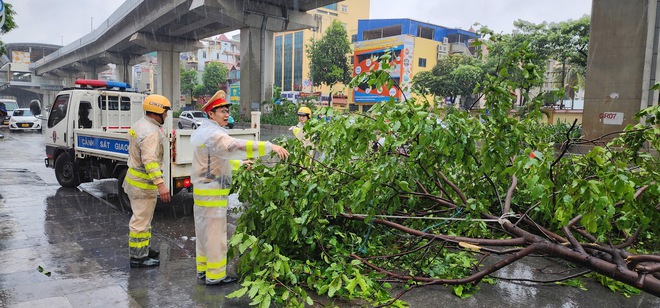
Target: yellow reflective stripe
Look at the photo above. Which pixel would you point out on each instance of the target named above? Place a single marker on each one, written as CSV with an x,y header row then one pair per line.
x,y
211,203
261,148
211,192
234,163
214,276
151,166
138,174
201,268
132,132
140,235
200,259
295,131
248,149
140,185
155,174
138,244
220,264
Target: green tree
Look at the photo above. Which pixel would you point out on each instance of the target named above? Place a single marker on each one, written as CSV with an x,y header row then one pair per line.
x,y
453,76
215,74
445,199
566,42
189,81
570,42
329,57
9,25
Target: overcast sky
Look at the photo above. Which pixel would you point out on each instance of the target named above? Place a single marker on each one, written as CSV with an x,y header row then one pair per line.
x,y
62,22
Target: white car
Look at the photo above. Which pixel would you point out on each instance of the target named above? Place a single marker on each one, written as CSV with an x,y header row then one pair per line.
x,y
23,119
191,118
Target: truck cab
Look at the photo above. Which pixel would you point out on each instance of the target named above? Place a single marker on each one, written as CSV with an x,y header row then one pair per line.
x,y
89,107
86,136
85,133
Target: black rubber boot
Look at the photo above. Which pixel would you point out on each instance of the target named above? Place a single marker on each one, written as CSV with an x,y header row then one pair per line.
x,y
221,282
144,262
153,254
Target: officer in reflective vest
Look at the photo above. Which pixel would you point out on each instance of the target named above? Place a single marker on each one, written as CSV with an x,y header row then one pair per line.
x,y
216,155
144,179
304,114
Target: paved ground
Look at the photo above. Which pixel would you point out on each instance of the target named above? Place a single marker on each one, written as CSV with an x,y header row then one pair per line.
x,y
80,237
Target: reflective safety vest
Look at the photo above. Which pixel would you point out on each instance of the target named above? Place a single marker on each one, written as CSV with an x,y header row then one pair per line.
x,y
145,155
216,155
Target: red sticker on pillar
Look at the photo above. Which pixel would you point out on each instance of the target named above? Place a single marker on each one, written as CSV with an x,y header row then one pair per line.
x,y
611,118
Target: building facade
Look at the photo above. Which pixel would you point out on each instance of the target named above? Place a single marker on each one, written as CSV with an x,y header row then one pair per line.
x,y
291,72
415,47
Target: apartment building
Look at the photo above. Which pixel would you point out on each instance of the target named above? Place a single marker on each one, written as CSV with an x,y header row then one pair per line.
x,y
416,47
291,72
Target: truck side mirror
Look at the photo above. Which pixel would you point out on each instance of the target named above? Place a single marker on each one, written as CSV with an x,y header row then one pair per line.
x,y
35,107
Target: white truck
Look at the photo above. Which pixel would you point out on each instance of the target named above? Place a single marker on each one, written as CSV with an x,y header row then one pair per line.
x,y
86,136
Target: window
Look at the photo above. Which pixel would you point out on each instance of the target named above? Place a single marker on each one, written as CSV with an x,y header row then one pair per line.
x,y
425,32
83,115
422,62
203,54
344,8
288,62
112,103
298,60
58,110
353,38
278,61
382,32
21,76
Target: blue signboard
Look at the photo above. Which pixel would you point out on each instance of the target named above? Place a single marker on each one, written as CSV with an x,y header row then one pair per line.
x,y
103,144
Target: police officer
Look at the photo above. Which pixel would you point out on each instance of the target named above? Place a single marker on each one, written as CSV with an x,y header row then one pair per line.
x,y
144,180
216,155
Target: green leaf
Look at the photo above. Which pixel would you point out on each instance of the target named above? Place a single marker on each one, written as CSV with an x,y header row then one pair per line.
x,y
238,293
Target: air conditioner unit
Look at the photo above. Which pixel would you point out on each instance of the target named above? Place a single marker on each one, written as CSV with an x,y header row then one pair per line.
x,y
442,51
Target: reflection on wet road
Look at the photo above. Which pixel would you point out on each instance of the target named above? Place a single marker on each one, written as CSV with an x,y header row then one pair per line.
x,y
80,237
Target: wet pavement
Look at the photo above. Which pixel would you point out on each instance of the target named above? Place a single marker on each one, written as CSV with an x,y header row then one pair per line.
x,y
80,237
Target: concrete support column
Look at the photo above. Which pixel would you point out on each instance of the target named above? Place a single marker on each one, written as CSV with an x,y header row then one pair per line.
x,y
69,80
124,72
256,66
622,64
167,81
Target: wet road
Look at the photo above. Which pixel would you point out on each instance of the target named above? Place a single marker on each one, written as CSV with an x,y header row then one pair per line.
x,y
80,236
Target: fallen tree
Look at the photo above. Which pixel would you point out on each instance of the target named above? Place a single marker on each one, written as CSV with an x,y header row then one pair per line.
x,y
411,194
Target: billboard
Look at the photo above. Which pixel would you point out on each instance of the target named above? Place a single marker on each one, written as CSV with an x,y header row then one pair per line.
x,y
400,70
235,93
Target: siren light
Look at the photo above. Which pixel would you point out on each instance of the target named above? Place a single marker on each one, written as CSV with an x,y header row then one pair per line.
x,y
93,83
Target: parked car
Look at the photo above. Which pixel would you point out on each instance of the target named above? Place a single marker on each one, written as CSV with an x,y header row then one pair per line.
x,y
23,119
9,106
192,119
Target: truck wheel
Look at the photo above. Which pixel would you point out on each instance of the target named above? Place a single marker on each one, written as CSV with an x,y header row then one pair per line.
x,y
124,201
66,171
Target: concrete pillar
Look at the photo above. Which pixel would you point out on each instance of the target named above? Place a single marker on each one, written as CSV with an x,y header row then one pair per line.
x,y
124,72
167,80
256,67
622,64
